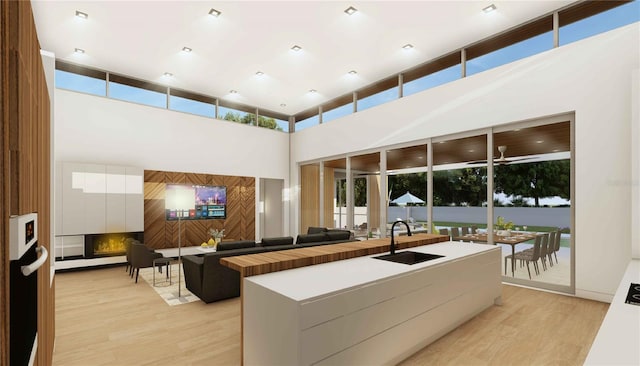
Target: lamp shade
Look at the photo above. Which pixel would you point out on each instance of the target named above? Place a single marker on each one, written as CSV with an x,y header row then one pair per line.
x,y
180,197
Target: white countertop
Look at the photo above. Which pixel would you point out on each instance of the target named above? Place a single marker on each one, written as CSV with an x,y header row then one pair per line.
x,y
618,340
309,282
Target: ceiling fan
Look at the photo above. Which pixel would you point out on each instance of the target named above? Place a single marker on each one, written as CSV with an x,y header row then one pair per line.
x,y
500,160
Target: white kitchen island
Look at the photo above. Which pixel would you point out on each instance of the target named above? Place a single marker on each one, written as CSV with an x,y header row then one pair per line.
x,y
366,311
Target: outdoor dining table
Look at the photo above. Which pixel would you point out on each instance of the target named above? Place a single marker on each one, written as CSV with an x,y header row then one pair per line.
x,y
513,240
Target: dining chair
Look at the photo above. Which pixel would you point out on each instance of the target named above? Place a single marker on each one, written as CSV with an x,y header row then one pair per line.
x,y
528,256
465,230
127,248
455,232
544,245
556,247
551,246
142,257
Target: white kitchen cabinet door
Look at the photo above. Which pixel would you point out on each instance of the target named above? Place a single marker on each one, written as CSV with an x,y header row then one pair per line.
x,y
72,200
134,200
95,187
116,199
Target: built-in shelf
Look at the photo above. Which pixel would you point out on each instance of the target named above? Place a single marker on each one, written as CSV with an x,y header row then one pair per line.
x,y
98,198
85,263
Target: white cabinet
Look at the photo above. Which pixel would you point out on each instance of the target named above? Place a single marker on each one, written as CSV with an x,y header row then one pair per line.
x,y
116,202
69,246
98,198
374,312
134,199
94,196
72,201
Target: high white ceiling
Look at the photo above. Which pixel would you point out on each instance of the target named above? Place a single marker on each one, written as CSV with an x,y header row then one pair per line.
x,y
144,39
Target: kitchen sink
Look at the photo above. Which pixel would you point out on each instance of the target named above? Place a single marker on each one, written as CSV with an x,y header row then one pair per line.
x,y
408,257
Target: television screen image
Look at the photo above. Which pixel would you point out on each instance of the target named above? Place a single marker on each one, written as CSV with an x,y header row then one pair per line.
x,y
210,203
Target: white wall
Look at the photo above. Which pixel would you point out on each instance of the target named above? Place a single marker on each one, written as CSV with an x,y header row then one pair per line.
x,y
106,131
592,77
635,164
49,66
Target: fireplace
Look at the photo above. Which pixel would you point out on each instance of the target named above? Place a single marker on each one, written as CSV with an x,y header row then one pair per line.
x,y
108,245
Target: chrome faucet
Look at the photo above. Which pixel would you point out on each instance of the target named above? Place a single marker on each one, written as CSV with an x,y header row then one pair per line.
x,y
392,247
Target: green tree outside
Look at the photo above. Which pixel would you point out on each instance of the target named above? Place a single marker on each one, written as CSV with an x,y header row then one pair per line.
x,y
250,119
468,186
536,180
359,190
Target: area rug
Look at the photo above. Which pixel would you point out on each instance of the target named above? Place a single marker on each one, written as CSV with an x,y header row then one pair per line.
x,y
169,292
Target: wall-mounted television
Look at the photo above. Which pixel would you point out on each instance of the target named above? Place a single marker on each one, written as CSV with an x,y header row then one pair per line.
x,y
210,203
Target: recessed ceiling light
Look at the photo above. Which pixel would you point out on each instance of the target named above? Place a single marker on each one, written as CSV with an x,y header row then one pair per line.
x,y
420,157
517,129
168,74
82,15
259,73
539,141
489,8
470,150
312,91
350,10
353,72
79,50
296,48
407,46
556,150
233,91
283,105
186,49
214,13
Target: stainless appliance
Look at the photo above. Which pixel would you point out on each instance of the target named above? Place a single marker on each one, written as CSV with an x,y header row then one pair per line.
x,y
23,293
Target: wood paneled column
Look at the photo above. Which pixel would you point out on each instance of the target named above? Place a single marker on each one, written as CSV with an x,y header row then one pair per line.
x,y
25,162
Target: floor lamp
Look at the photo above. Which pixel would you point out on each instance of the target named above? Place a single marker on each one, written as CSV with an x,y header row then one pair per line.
x,y
181,199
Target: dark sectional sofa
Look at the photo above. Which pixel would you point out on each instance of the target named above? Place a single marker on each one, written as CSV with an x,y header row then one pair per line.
x,y
206,278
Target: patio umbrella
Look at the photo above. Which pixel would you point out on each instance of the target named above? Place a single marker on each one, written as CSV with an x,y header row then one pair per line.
x,y
407,198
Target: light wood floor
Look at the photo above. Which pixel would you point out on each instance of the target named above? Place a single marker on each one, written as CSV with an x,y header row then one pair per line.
x,y
104,318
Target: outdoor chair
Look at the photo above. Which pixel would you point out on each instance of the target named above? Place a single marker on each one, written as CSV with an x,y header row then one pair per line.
x,y
551,247
474,229
544,245
444,232
527,256
557,247
465,230
455,232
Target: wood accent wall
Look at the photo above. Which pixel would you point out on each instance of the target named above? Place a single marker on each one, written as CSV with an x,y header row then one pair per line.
x,y
25,148
309,196
328,196
241,210
373,201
